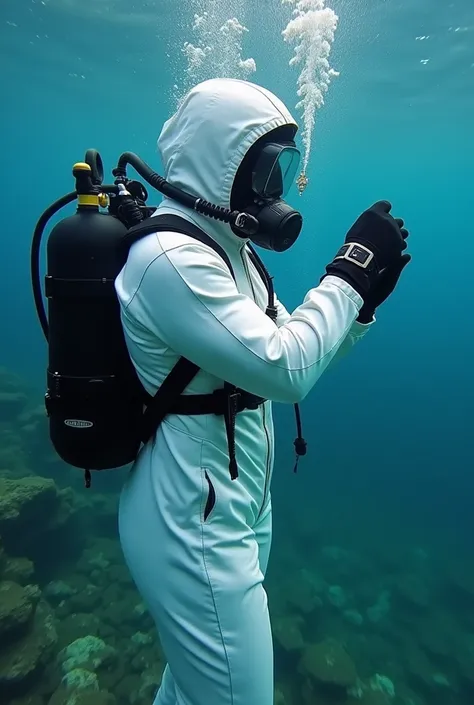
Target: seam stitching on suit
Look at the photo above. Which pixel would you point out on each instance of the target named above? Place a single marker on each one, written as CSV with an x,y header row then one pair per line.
x,y
212,593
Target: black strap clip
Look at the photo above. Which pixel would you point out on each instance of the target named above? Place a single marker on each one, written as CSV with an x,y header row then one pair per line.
x,y
230,415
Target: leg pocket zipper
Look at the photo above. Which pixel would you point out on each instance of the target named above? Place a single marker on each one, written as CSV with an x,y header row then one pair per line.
x,y
211,498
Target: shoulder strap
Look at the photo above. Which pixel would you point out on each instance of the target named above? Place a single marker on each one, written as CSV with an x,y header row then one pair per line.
x,y
160,223
184,371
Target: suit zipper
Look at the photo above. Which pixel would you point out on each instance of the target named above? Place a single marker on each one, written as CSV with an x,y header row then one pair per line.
x,y
267,457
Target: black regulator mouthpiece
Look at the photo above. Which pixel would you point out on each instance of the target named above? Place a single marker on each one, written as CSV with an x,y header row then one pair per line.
x,y
279,225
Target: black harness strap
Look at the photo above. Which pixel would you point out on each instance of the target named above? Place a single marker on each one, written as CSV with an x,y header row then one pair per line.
x,y
174,223
229,400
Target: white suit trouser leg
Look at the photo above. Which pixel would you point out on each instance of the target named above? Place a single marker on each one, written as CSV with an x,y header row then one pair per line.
x,y
202,582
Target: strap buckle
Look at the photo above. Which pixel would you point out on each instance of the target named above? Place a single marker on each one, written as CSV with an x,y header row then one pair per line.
x,y
356,253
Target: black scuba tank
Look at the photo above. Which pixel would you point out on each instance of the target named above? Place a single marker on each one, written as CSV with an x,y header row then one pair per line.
x,y
94,400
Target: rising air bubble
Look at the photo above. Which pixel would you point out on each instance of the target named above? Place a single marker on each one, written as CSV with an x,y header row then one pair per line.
x,y
312,29
216,51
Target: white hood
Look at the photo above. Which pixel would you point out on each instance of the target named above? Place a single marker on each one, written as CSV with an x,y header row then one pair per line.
x,y
204,143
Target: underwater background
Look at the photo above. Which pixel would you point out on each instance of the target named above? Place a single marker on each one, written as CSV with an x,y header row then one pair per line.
x,y
372,569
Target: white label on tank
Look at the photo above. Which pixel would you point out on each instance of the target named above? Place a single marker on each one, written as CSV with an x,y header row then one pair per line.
x,y
78,423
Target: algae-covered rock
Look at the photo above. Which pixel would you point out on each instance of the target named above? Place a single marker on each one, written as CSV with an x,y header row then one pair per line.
x,y
287,631
86,600
279,698
23,501
88,652
381,608
22,659
412,591
30,509
149,683
58,590
16,608
14,459
13,397
73,684
460,583
353,617
144,660
80,679
378,691
328,663
337,596
382,684
302,590
19,570
418,666
127,687
76,625
81,697
3,559
370,697
27,700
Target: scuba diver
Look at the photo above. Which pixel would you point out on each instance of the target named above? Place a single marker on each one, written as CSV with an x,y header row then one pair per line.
x,y
196,538
167,346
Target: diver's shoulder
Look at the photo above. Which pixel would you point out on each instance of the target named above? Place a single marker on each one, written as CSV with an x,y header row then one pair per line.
x,y
164,245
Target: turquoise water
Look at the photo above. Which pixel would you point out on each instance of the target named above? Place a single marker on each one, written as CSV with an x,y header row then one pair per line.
x,y
382,504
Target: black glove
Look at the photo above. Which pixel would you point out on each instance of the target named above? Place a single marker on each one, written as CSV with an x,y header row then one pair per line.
x,y
374,243
381,290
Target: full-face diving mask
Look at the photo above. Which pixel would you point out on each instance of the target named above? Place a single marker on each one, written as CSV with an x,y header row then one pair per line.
x,y
272,176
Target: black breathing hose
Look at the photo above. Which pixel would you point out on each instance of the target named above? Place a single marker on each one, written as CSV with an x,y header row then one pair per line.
x,y
35,256
197,204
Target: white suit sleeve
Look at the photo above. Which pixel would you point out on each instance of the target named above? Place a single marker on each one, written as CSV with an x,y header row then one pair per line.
x,y
193,305
356,332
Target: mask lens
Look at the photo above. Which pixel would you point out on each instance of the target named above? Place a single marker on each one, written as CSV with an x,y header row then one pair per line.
x,y
275,170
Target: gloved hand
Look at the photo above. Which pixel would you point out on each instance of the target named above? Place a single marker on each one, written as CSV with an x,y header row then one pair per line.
x,y
374,243
381,290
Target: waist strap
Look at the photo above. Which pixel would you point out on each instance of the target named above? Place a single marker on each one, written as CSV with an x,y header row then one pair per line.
x,y
227,402
215,403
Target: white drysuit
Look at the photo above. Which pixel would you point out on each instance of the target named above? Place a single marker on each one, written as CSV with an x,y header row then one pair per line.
x,y
196,542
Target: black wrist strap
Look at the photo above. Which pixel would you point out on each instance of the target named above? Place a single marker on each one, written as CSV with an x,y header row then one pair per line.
x,y
358,279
